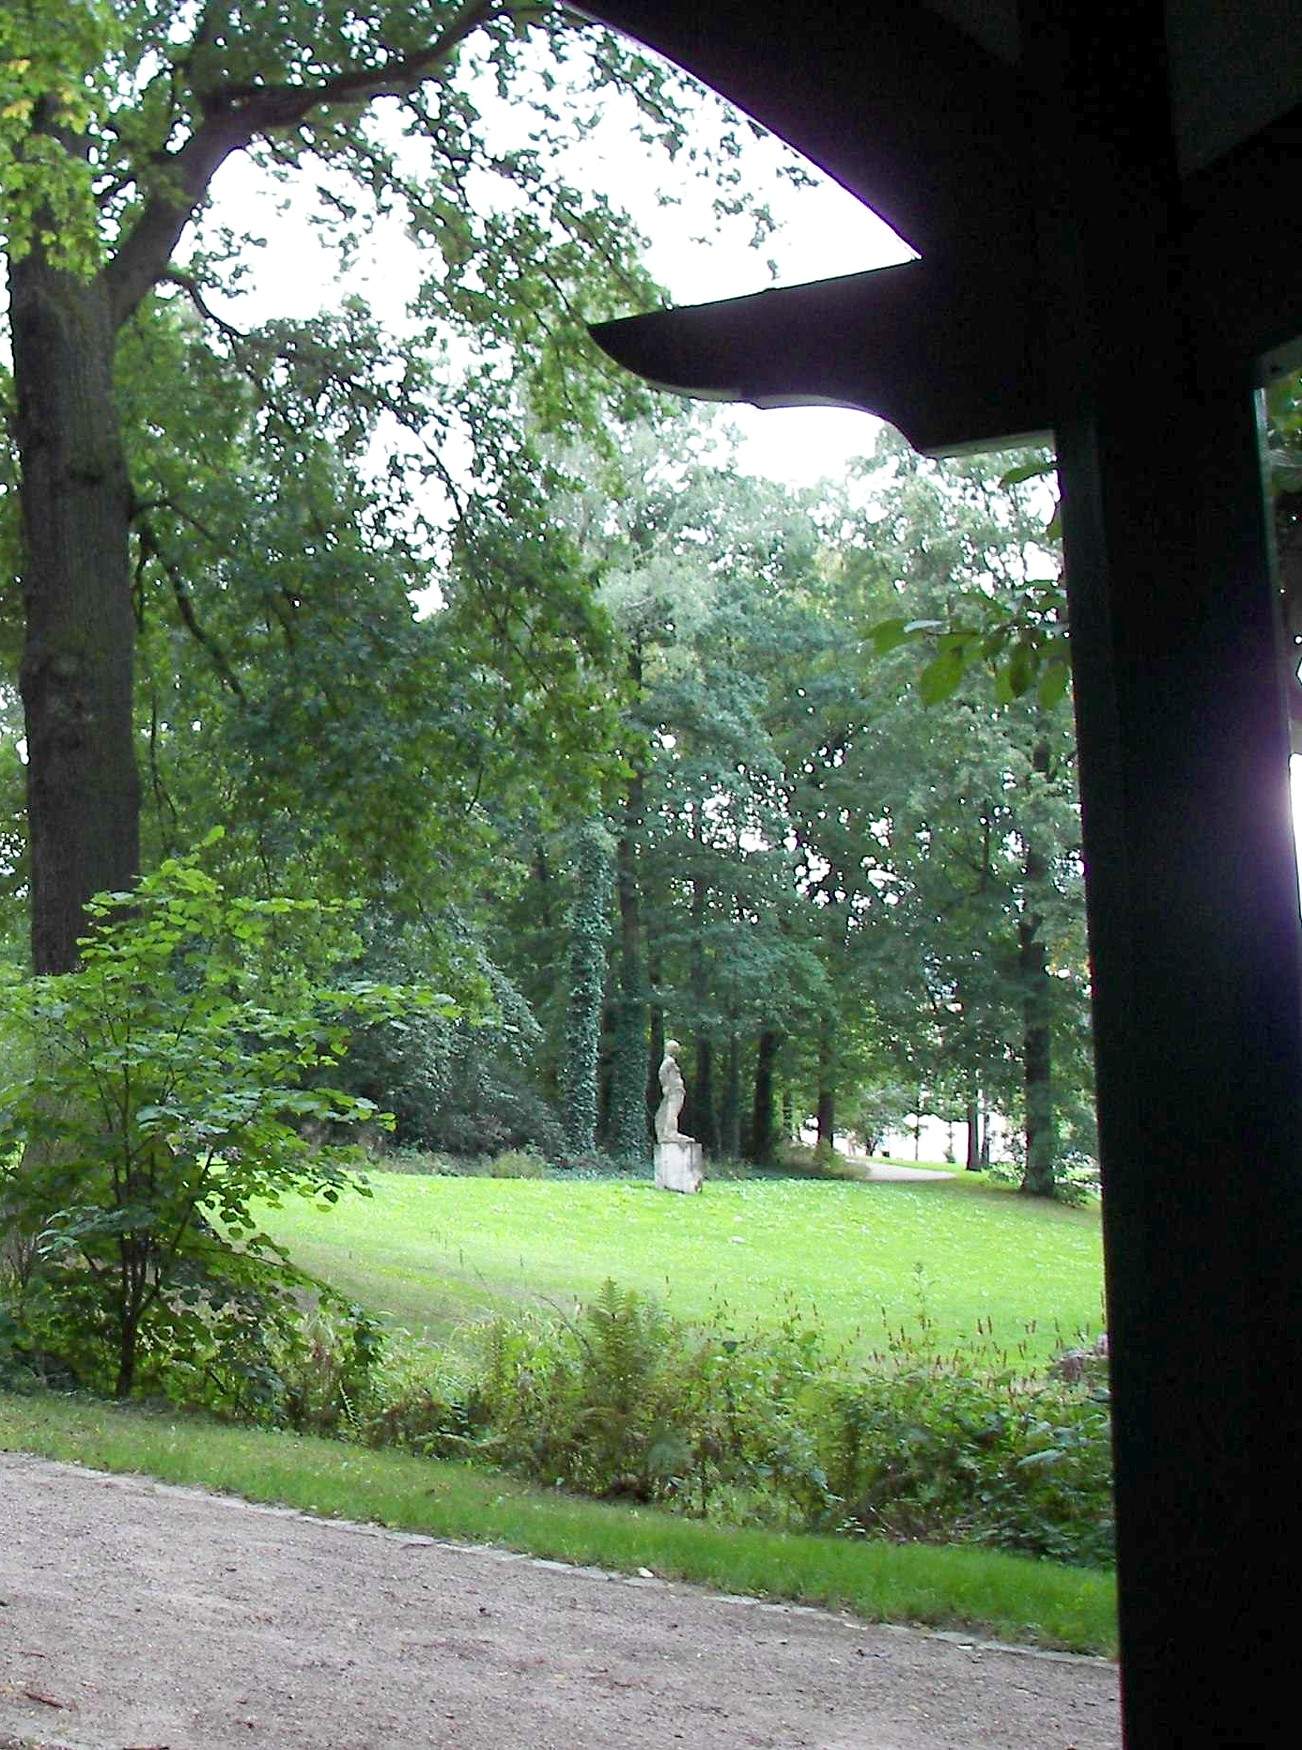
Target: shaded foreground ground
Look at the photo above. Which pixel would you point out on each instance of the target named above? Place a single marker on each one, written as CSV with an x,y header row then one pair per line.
x,y
134,1614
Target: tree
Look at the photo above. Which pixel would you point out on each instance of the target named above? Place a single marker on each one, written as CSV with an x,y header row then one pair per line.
x,y
702,573
979,819
115,118
166,1083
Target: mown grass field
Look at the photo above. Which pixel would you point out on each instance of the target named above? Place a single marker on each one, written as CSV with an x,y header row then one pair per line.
x,y
432,1253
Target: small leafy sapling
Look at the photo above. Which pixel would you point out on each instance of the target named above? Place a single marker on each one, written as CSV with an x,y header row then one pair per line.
x,y
158,1096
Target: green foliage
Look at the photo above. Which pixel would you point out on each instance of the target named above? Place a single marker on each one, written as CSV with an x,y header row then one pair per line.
x,y
1014,624
516,1163
974,877
773,1428
52,89
459,1083
927,1448
156,1095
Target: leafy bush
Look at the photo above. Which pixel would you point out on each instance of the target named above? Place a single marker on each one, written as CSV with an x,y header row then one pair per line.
x,y
623,1400
433,1408
934,1453
815,1163
156,1095
460,1085
516,1163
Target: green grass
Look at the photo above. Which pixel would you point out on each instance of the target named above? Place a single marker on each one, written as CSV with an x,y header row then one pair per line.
x,y
1010,1597
432,1252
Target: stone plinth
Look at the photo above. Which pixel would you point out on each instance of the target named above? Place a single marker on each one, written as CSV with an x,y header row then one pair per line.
x,y
680,1165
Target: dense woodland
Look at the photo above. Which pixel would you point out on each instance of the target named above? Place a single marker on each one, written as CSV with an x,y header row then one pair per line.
x,y
663,755
663,749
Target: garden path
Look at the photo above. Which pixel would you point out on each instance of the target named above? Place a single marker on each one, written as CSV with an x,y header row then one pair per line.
x,y
139,1616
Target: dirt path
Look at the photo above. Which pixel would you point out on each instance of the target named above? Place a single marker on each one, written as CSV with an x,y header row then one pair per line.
x,y
136,1615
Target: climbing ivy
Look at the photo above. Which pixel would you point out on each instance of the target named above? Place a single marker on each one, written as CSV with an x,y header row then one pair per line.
x,y
589,929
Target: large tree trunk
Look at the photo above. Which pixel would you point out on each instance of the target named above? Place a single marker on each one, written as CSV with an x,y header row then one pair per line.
x,y
83,789
763,1124
1037,1062
703,1121
730,1113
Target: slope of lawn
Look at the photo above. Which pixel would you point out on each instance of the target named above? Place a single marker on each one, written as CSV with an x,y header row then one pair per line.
x,y
431,1253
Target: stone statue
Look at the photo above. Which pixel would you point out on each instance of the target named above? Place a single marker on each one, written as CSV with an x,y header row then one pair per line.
x,y
673,1093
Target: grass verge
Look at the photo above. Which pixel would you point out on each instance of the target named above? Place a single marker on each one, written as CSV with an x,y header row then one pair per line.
x,y
1009,1597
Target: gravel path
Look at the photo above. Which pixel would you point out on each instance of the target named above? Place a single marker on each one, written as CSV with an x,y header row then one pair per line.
x,y
136,1616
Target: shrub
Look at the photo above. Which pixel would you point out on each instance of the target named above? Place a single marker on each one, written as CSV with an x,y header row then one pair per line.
x,y
516,1163
623,1400
816,1163
158,1093
434,1408
939,1454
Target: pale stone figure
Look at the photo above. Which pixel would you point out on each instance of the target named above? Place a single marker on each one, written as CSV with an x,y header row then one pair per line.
x,y
680,1160
673,1093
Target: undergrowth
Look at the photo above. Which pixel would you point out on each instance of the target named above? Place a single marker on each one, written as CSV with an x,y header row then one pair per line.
x,y
772,1427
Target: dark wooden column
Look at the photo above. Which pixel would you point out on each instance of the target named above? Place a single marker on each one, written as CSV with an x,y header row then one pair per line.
x,y
1192,897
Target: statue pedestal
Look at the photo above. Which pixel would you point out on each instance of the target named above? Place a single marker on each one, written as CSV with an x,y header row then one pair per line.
x,y
680,1165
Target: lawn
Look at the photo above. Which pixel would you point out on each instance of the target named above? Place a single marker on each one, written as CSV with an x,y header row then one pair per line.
x,y
431,1253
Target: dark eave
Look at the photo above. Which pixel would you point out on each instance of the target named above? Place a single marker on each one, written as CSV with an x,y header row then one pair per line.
x,y
930,130
941,348
941,153
942,354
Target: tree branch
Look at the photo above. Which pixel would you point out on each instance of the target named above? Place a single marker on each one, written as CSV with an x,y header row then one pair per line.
x,y
149,547
233,116
194,292
148,247
278,106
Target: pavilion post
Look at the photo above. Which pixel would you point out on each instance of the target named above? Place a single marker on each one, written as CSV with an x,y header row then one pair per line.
x,y
1192,897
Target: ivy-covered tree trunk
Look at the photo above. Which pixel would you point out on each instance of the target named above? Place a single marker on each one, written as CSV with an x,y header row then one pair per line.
x,y
589,930
763,1124
702,1122
656,1038
788,1115
83,788
628,1135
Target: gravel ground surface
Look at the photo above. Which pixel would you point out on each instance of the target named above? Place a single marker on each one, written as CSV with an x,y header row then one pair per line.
x,y
137,1616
